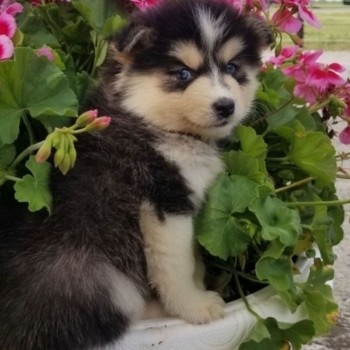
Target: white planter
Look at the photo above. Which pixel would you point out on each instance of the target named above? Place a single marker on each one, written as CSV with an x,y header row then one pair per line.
x,y
223,334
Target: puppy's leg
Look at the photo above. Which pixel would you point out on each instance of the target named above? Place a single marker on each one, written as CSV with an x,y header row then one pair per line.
x,y
171,267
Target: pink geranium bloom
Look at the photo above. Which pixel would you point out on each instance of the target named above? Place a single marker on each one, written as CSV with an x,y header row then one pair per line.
x,y
304,13
308,58
344,136
6,47
286,53
325,76
143,4
7,25
47,52
307,92
285,21
14,9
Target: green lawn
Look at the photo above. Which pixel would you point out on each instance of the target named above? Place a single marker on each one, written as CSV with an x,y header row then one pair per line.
x,y
335,32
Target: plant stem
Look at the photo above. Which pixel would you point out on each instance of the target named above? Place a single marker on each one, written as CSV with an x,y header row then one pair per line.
x,y
29,129
318,106
276,159
241,293
315,203
25,153
295,184
250,278
339,176
12,178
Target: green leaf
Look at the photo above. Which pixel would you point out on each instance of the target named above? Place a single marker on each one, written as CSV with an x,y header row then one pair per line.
x,y
217,229
97,14
253,145
321,225
314,153
7,155
34,189
113,25
240,163
31,84
282,116
277,220
277,271
318,296
32,25
280,335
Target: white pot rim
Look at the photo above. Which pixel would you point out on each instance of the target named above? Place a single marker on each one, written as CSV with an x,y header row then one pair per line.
x,y
224,334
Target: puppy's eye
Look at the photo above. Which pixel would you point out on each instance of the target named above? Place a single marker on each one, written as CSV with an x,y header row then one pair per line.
x,y
231,68
183,74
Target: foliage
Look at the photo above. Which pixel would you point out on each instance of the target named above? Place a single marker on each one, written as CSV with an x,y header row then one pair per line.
x,y
276,198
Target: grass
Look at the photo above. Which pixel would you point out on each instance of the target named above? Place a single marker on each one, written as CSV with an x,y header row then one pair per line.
x,y
335,32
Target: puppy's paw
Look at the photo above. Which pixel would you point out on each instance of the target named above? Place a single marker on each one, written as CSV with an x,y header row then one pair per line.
x,y
203,307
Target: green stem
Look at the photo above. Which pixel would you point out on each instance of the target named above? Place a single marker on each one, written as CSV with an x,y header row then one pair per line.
x,y
241,293
278,159
316,203
25,153
12,178
318,106
29,129
295,184
250,278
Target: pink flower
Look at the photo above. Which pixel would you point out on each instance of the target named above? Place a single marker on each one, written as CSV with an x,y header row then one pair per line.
x,y
11,8
286,53
7,25
300,6
99,123
325,76
307,92
87,117
47,52
284,20
344,136
143,4
6,47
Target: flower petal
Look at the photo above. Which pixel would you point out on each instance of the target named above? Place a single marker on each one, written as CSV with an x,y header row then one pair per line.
x,y
6,47
344,136
7,25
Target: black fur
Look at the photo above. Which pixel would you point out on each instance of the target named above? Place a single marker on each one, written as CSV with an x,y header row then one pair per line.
x,y
52,293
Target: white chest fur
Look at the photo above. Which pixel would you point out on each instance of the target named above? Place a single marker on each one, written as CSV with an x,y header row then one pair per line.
x,y
199,163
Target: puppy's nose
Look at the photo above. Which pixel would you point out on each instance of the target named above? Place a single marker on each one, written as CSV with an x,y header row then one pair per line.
x,y
224,107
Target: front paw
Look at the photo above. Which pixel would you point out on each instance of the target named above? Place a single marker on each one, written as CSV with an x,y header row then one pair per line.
x,y
201,307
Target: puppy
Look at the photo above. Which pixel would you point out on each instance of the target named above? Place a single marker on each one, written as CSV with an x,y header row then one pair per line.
x,y
179,77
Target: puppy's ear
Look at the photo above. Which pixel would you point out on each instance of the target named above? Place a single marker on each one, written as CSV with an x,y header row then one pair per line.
x,y
132,39
135,38
262,30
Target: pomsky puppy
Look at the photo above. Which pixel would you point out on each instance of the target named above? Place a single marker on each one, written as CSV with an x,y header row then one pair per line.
x,y
179,77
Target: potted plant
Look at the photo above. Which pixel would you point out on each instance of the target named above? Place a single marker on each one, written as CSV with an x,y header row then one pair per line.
x,y
270,220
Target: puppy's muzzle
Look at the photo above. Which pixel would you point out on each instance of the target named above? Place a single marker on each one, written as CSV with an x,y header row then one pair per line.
x,y
224,108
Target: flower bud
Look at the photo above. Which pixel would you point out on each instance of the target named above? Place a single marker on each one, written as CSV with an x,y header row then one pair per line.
x,y
65,165
59,156
44,151
99,124
86,118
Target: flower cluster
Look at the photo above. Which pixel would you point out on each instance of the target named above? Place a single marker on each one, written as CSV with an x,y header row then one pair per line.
x,y
8,26
288,18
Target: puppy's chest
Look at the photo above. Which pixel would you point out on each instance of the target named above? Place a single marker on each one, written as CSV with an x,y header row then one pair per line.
x,y
198,163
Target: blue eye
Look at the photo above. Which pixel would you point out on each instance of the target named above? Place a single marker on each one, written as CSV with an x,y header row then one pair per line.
x,y
183,74
231,69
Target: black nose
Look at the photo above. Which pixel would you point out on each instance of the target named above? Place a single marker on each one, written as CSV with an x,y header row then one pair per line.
x,y
224,107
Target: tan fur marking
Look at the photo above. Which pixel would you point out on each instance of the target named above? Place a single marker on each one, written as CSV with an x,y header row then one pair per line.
x,y
230,49
120,57
189,54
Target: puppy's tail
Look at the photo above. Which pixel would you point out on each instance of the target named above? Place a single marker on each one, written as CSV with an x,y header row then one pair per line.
x,y
72,302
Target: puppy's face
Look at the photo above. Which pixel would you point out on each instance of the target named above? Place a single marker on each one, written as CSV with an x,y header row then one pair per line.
x,y
189,66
